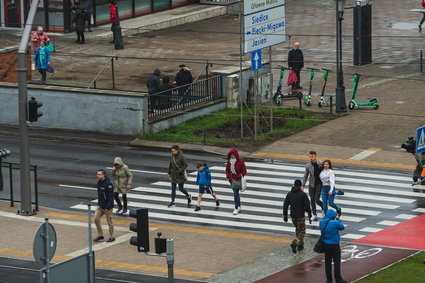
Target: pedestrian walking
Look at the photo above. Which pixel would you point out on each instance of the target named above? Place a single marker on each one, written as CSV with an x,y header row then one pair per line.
x,y
153,84
299,203
178,174
105,201
235,170
182,80
312,174
423,16
79,19
296,63
203,180
87,5
329,228
327,176
42,60
38,37
122,181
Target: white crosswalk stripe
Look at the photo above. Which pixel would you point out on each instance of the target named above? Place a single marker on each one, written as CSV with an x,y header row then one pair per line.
x,y
367,195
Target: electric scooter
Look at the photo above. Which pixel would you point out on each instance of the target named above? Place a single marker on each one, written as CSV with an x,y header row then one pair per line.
x,y
277,98
307,99
373,101
322,100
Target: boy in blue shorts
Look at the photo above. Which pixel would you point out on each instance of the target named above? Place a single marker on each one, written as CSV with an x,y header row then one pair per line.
x,y
204,181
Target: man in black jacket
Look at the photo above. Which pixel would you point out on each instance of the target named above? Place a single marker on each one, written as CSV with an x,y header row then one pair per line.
x,y
299,203
153,87
296,63
105,201
183,77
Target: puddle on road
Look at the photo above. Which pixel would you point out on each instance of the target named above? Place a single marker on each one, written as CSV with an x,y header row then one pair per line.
x,y
404,25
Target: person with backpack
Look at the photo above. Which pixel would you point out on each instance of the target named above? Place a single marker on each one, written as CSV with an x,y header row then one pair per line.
x,y
79,19
298,201
203,180
423,16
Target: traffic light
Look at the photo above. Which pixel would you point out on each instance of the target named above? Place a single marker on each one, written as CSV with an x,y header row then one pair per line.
x,y
142,229
33,113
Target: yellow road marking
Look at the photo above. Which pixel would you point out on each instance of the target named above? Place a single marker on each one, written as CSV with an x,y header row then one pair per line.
x,y
268,238
336,160
159,269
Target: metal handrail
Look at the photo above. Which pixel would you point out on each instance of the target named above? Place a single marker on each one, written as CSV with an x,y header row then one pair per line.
x,y
110,61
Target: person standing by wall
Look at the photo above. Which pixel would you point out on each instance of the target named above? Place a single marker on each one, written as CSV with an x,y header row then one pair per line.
x,y
299,203
122,180
296,63
42,60
312,173
165,98
38,37
203,180
235,170
105,201
327,176
177,173
153,84
79,20
183,77
331,242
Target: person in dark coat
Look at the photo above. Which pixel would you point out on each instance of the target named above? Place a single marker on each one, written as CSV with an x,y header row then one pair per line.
x,y
153,87
165,93
79,19
183,77
296,63
299,203
87,6
178,175
105,201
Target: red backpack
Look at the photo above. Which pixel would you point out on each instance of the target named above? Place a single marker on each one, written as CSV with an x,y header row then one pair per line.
x,y
423,3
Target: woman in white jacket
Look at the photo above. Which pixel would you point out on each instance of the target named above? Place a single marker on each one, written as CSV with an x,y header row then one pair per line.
x,y
327,177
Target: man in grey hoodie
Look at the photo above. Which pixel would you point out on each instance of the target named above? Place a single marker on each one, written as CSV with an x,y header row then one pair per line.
x,y
312,173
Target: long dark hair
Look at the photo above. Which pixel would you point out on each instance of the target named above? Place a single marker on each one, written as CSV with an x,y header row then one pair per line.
x,y
329,162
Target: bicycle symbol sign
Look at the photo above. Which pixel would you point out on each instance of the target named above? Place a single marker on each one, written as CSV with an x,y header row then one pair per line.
x,y
352,252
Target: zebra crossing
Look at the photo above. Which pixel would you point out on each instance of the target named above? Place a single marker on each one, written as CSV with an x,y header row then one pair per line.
x,y
373,200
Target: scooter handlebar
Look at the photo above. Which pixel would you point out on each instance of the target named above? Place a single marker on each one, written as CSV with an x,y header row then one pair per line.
x,y
327,70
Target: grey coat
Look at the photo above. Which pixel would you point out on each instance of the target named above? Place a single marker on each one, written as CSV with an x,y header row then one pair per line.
x,y
309,173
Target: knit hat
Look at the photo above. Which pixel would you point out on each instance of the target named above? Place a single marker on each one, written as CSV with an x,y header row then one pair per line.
x,y
298,183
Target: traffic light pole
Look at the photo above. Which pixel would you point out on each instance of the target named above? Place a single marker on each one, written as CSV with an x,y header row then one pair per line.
x,y
26,207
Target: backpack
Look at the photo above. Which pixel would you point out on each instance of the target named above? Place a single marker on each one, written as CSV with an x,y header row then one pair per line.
x,y
423,3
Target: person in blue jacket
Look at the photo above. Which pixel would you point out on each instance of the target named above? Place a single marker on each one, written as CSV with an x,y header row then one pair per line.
x,y
331,241
105,201
42,59
203,180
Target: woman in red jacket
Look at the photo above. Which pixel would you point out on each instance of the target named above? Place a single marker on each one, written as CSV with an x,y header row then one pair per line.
x,y
235,170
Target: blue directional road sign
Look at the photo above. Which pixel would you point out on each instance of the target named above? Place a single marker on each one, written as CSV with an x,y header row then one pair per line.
x,y
420,139
256,60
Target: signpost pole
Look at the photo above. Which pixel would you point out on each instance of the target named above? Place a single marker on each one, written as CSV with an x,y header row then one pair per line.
x,y
271,89
46,236
90,255
255,92
240,62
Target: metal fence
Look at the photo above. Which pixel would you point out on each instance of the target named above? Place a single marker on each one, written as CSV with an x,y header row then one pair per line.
x,y
11,174
180,98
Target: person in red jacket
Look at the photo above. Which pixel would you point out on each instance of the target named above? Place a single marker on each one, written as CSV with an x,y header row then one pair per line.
x,y
235,170
38,37
113,16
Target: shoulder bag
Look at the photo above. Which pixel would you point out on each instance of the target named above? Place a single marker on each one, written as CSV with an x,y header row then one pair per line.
x,y
184,173
319,246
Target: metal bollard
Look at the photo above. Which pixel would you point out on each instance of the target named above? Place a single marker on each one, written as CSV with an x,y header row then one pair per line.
x,y
170,260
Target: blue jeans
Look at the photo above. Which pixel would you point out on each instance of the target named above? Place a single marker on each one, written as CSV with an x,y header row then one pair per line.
x,y
237,198
326,197
173,191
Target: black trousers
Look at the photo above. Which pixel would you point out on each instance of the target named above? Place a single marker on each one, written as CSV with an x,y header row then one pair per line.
x,y
118,201
423,19
315,193
297,83
43,74
80,36
333,252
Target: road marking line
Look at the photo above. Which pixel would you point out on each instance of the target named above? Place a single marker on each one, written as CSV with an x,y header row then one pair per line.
x,y
352,236
388,223
370,230
366,153
421,210
405,216
334,160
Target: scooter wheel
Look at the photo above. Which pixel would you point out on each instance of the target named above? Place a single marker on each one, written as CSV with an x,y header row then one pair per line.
x,y
375,106
308,103
351,106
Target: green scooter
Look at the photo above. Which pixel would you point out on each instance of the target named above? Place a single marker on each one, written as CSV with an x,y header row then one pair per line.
x,y
307,99
373,101
322,100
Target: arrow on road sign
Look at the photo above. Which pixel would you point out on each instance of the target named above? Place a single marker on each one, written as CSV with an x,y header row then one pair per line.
x,y
256,60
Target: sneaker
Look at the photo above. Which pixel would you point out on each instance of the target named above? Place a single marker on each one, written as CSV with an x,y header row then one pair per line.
x,y
217,203
98,239
124,211
189,200
197,208
235,211
171,204
239,209
339,212
110,240
294,247
340,192
119,210
420,28
300,247
314,218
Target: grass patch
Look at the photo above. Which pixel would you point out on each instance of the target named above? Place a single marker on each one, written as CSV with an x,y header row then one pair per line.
x,y
222,128
409,270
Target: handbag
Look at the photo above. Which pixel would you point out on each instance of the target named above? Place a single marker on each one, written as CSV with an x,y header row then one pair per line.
x,y
292,78
243,183
236,184
319,247
184,173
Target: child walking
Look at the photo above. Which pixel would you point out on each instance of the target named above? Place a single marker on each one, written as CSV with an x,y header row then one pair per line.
x,y
204,181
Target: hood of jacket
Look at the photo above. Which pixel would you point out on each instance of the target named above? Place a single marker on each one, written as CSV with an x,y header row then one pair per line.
x,y
157,72
330,214
118,160
235,152
295,189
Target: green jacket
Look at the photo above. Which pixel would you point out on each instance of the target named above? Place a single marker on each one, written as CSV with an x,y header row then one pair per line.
x,y
178,165
122,177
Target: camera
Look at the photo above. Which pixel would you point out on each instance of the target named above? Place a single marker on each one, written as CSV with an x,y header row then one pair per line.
x,y
409,145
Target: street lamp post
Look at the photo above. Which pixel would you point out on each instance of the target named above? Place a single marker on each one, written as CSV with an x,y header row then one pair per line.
x,y
341,105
